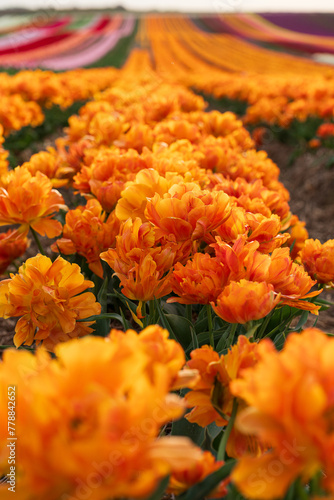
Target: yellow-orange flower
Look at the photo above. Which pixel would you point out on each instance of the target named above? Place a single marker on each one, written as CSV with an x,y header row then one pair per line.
x,y
105,127
134,197
170,130
184,214
200,398
12,246
142,266
181,480
245,301
211,396
298,236
108,400
88,233
200,281
266,230
291,281
318,260
30,201
234,226
3,154
242,259
46,163
48,297
156,343
294,420
107,175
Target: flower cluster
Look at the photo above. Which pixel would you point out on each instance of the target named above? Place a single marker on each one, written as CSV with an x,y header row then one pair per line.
x,y
24,94
293,421
182,182
176,219
30,201
108,399
49,300
318,260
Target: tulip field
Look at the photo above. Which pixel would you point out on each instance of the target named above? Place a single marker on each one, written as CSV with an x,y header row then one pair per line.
x,y
162,295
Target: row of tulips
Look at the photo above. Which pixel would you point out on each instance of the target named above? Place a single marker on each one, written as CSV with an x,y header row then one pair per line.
x,y
24,95
278,89
177,221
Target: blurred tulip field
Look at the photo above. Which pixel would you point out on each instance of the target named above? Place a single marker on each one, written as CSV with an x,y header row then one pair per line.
x,y
166,256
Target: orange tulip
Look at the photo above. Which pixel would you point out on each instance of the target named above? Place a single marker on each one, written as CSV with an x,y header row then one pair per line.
x,y
108,417
291,281
105,128
134,197
318,260
142,266
187,215
46,296
234,226
30,201
12,246
182,479
199,398
211,397
266,230
88,233
46,162
325,130
298,236
170,130
293,420
108,174
200,281
245,301
242,259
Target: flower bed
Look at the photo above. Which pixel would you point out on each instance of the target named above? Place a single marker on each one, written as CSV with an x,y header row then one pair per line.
x,y
181,235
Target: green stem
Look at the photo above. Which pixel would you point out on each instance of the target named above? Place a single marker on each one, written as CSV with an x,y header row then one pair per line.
x,y
302,495
145,319
265,324
40,248
315,484
232,333
152,312
210,325
227,432
189,314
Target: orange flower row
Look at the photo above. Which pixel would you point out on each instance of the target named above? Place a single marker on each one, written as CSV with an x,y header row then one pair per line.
x,y
49,88
277,88
15,113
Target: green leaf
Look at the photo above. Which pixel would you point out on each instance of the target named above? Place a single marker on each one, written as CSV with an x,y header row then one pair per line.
x,y
179,328
210,433
302,320
127,302
221,346
184,428
102,295
195,344
200,490
233,493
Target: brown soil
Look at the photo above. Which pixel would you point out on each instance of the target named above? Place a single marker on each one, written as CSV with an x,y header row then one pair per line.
x,y
311,186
